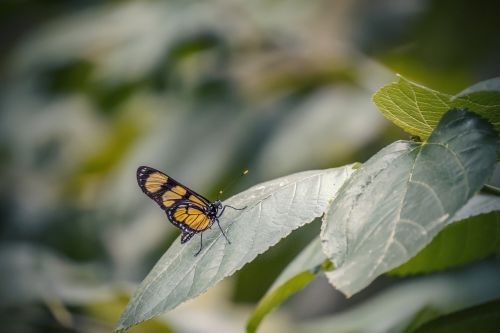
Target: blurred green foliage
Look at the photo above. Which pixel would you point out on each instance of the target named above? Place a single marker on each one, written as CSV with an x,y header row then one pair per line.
x,y
92,90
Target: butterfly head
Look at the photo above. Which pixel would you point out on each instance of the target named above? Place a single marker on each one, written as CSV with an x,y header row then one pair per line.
x,y
215,207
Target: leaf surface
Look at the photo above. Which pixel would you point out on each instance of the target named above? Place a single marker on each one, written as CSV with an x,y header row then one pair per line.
x,y
395,204
472,233
274,209
459,243
418,109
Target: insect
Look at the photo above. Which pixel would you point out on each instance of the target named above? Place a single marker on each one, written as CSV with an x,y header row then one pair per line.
x,y
186,209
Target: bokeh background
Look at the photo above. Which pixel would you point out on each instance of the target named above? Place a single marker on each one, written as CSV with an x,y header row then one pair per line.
x,y
202,90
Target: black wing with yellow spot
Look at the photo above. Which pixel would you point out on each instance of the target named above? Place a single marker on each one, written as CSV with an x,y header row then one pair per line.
x,y
166,191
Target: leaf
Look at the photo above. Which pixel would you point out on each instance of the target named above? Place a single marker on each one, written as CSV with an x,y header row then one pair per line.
x,y
274,209
418,109
403,196
487,85
458,244
302,270
480,318
108,311
310,259
425,314
482,203
471,234
276,297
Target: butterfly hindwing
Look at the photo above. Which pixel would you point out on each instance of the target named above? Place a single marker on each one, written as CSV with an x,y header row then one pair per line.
x,y
166,191
186,236
189,217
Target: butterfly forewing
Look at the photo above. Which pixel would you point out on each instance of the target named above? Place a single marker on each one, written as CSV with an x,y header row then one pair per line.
x,y
166,191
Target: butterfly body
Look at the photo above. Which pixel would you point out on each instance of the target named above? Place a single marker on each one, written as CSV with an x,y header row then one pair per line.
x,y
185,209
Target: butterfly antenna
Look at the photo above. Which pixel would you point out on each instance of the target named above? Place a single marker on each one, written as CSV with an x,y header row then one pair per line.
x,y
244,173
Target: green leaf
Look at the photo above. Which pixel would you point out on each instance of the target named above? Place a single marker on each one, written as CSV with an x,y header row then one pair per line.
x,y
425,314
302,270
402,197
418,109
458,244
310,259
481,203
274,209
487,85
475,235
276,297
481,318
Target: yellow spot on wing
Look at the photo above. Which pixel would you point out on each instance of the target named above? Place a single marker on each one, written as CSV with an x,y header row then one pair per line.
x,y
197,200
155,181
168,203
194,211
201,222
197,222
192,217
179,212
179,190
189,221
169,195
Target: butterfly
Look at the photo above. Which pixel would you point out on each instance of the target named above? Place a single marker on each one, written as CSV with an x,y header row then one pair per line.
x,y
186,209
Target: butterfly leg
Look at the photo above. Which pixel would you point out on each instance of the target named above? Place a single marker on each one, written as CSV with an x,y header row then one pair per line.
x,y
201,244
224,208
227,239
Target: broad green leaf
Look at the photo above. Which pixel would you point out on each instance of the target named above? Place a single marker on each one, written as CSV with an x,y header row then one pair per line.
x,y
274,209
473,236
458,244
402,197
481,318
418,109
302,270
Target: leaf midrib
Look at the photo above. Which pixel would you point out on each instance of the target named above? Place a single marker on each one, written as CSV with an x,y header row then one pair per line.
x,y
400,208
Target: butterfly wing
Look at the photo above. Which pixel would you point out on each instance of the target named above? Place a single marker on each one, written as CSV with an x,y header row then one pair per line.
x,y
185,208
189,217
166,191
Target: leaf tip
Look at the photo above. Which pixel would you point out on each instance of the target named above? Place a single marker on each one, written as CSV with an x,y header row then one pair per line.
x,y
125,323
356,165
120,328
